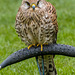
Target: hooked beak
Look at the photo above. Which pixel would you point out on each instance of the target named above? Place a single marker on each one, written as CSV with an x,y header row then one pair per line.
x,y
33,6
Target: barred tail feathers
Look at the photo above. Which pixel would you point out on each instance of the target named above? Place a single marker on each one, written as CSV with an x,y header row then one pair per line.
x,y
49,67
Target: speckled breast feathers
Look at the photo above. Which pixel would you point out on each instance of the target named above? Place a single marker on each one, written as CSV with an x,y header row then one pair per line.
x,y
39,26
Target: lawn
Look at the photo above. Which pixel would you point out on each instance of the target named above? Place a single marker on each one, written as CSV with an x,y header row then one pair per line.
x,y
9,41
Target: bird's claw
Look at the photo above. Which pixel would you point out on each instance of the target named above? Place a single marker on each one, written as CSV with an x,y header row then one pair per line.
x,y
37,46
31,46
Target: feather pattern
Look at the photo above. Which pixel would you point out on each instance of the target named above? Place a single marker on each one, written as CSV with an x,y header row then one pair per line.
x,y
38,27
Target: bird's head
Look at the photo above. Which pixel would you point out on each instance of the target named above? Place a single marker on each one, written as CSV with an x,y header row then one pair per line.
x,y
33,5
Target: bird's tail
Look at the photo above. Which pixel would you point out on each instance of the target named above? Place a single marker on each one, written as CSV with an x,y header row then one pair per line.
x,y
46,65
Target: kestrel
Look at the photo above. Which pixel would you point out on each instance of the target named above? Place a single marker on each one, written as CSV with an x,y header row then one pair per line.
x,y
36,24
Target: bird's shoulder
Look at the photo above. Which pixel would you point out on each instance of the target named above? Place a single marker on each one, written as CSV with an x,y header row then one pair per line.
x,y
50,8
52,14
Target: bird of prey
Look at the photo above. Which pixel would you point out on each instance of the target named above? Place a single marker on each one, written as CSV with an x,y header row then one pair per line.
x,y
36,24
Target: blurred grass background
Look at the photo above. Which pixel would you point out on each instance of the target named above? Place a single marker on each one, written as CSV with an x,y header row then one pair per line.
x,y
9,41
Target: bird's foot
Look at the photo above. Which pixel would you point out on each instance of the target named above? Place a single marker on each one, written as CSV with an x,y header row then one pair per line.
x,y
31,46
42,46
37,46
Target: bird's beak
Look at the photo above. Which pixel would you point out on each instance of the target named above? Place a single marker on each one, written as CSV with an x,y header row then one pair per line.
x,y
33,6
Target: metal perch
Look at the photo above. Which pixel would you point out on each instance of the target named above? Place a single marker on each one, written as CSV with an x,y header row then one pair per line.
x,y
54,49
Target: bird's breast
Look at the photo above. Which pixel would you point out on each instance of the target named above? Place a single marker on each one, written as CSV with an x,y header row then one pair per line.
x,y
39,29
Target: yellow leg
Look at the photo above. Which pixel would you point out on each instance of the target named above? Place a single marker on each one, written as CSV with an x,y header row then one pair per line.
x,y
41,47
38,45
31,46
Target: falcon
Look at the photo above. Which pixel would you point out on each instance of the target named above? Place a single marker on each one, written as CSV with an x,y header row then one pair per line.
x,y
36,24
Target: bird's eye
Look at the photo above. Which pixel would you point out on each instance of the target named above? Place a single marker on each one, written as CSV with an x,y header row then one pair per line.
x,y
38,2
27,5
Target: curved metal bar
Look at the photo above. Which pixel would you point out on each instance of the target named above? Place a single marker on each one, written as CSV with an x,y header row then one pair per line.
x,y
54,49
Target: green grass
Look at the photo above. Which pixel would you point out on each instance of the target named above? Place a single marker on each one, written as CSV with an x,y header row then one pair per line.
x,y
9,41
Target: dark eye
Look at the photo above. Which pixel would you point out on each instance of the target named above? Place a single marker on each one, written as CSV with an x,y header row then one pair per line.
x,y
38,2
27,3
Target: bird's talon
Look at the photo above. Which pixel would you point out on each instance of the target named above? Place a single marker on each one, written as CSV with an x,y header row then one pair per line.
x,y
41,47
31,46
38,45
